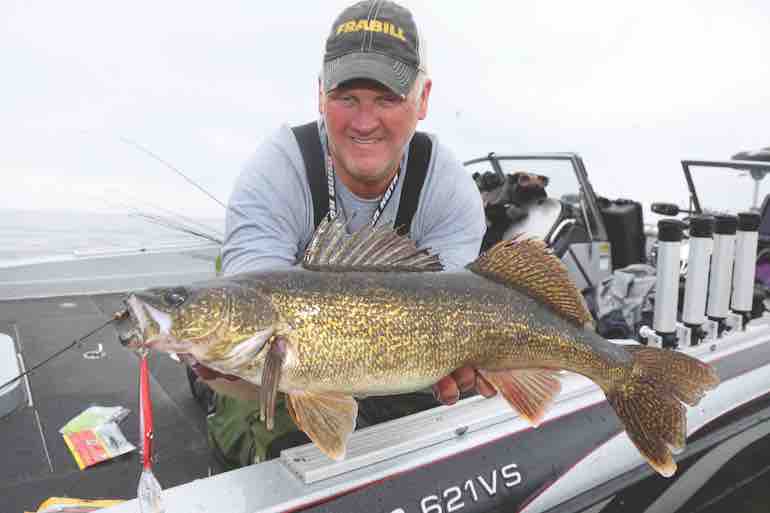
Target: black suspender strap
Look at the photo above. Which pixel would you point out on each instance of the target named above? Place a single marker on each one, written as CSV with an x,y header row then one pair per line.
x,y
416,170
313,156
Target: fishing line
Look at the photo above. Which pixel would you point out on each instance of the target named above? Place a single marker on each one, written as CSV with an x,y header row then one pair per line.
x,y
189,180
171,167
176,170
74,343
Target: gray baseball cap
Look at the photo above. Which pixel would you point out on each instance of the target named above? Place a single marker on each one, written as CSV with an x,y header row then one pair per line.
x,y
376,40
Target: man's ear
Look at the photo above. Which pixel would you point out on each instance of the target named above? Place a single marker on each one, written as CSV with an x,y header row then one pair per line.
x,y
320,98
422,106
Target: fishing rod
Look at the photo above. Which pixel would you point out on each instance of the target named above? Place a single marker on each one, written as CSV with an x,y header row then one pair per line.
x,y
116,317
175,226
167,219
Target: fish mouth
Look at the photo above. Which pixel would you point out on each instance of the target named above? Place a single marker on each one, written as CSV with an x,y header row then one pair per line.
x,y
145,325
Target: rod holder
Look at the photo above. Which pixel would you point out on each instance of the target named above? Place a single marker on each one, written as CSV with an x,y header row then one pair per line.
x,y
667,281
701,247
746,242
722,260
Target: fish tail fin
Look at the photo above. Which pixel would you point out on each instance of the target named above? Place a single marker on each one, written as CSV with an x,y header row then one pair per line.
x,y
649,401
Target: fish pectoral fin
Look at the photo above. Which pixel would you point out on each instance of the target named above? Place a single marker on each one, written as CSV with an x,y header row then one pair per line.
x,y
271,377
529,391
327,418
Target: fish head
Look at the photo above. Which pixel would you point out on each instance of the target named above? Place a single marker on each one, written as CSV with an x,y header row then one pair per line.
x,y
207,320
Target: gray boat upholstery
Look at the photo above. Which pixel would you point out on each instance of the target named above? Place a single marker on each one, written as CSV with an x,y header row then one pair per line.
x,y
543,217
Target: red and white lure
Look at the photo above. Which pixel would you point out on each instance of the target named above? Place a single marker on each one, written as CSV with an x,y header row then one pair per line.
x,y
149,492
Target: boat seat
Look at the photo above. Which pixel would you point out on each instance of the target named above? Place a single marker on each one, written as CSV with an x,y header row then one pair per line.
x,y
543,217
11,394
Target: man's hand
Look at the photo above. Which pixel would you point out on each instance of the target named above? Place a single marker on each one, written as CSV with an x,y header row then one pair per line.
x,y
225,384
464,379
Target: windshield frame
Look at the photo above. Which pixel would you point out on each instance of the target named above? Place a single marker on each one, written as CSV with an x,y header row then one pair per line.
x,y
754,167
587,194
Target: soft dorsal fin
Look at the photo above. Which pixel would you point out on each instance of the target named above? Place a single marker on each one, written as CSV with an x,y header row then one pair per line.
x,y
528,265
368,249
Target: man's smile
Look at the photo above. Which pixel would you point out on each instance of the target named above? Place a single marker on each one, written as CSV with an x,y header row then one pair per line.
x,y
359,140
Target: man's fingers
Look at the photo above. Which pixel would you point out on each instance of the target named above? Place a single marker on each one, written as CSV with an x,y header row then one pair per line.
x,y
466,378
446,391
484,387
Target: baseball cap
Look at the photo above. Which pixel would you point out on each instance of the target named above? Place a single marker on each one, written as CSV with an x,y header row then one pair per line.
x,y
377,40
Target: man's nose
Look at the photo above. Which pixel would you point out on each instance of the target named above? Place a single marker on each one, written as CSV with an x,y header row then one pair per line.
x,y
365,120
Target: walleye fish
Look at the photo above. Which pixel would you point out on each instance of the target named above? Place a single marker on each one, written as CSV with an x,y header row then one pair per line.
x,y
365,315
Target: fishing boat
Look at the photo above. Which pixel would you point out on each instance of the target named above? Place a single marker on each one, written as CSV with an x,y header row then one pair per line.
x,y
475,456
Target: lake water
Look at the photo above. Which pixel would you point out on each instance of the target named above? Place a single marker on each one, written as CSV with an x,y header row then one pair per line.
x,y
28,236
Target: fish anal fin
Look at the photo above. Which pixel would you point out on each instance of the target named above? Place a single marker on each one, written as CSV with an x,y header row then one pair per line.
x,y
327,418
529,391
530,266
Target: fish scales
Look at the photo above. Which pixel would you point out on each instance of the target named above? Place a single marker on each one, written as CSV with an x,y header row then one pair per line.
x,y
375,333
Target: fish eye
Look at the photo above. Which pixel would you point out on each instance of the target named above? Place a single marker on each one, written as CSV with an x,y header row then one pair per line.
x,y
175,297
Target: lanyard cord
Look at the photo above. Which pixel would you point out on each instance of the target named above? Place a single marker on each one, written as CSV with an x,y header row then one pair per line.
x,y
333,212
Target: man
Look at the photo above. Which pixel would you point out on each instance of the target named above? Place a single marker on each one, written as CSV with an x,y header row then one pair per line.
x,y
373,90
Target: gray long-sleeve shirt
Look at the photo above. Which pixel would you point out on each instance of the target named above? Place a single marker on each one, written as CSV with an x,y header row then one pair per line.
x,y
270,216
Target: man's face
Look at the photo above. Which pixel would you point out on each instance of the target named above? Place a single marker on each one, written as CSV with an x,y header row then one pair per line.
x,y
368,126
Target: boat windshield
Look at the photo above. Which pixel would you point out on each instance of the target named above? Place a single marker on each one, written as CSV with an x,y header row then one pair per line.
x,y
727,187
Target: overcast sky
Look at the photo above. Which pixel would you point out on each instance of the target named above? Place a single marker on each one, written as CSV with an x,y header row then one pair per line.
x,y
634,87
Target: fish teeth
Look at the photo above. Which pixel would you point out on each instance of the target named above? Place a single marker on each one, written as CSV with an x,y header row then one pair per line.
x,y
139,312
162,319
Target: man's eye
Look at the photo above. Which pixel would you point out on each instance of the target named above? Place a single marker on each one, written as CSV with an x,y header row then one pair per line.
x,y
390,100
345,100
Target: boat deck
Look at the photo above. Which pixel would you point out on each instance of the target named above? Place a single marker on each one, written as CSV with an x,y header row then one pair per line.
x,y
47,317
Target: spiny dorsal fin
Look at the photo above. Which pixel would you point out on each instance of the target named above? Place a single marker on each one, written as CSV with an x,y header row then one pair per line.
x,y
368,249
528,265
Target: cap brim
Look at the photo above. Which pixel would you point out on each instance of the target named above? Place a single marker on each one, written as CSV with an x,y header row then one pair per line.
x,y
393,74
